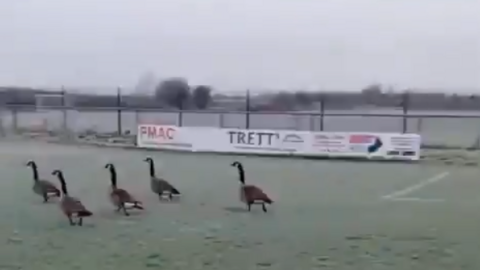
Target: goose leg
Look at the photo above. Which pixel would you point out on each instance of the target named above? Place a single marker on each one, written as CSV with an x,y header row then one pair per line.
x,y
119,207
71,221
249,206
170,196
80,221
45,197
264,208
125,210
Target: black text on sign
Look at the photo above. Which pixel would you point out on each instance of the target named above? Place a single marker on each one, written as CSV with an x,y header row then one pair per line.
x,y
253,138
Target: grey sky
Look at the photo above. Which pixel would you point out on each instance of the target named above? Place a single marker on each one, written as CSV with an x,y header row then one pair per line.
x,y
234,44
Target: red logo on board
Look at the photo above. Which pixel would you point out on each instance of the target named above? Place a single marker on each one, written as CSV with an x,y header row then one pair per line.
x,y
158,132
361,138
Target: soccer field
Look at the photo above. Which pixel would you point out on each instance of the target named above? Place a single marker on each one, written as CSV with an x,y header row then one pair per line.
x,y
326,215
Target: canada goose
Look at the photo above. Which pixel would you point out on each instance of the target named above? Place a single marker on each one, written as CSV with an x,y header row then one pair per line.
x,y
120,197
250,194
44,188
158,185
71,206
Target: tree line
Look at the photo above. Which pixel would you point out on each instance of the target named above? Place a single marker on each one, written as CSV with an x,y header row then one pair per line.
x,y
174,93
177,93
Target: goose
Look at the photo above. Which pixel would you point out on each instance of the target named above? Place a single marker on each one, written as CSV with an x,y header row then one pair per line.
x,y
158,185
250,194
44,188
120,197
71,206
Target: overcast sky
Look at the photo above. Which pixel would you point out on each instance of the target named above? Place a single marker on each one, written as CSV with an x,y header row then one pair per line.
x,y
234,44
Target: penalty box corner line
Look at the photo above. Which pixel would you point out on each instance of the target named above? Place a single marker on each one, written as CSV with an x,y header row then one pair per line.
x,y
419,185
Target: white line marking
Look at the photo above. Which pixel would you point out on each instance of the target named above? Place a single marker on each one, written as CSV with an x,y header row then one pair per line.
x,y
423,200
415,187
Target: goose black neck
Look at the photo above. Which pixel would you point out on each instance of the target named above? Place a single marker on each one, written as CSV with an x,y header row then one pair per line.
x,y
35,171
152,167
241,173
62,183
113,176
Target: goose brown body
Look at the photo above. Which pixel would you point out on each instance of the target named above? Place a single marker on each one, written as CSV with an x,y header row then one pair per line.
x,y
44,188
71,206
120,197
251,194
160,186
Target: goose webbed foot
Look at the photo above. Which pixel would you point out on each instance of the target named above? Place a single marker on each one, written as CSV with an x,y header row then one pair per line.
x,y
125,211
71,221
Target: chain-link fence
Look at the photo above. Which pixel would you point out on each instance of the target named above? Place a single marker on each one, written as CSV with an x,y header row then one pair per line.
x,y
462,131
76,114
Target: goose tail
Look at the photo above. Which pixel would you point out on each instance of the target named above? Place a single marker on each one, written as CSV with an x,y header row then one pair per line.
x,y
84,213
175,191
138,205
268,200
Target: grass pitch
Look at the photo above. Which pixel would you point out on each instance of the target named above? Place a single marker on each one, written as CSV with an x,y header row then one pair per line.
x,y
326,215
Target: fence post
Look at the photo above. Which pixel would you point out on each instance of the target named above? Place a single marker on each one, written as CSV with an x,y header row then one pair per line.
x,y
405,108
119,111
419,125
322,111
180,113
180,118
220,119
15,119
247,110
311,123
2,128
64,111
15,114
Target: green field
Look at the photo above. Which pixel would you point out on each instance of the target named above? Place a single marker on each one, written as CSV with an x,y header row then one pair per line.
x,y
327,215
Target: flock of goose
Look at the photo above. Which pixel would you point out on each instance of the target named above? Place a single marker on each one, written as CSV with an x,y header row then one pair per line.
x,y
72,207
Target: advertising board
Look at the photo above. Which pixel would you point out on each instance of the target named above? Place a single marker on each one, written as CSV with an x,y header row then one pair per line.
x,y
361,143
329,143
263,141
386,145
282,142
164,137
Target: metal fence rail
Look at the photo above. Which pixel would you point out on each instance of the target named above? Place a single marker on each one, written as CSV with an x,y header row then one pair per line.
x,y
437,130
